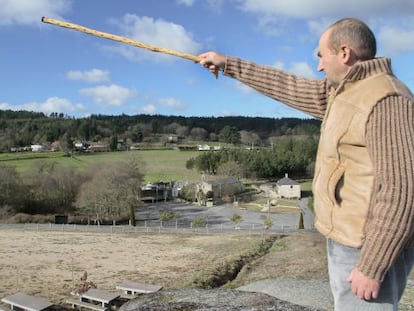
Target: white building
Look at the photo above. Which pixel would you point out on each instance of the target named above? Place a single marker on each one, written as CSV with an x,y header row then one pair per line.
x,y
36,147
288,188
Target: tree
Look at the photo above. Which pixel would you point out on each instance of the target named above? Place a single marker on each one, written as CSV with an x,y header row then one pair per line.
x,y
230,134
113,143
167,215
208,162
267,224
52,188
136,134
11,188
230,168
198,133
236,219
249,138
113,190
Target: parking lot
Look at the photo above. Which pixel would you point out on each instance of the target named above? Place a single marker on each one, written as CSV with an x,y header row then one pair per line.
x,y
219,216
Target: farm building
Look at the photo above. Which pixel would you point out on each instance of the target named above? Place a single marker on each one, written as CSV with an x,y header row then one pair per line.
x,y
288,188
156,191
36,147
217,189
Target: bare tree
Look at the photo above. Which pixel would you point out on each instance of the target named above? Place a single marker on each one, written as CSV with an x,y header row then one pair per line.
x,y
113,190
251,139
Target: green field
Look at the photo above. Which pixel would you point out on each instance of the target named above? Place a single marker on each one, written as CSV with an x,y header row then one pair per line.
x,y
159,165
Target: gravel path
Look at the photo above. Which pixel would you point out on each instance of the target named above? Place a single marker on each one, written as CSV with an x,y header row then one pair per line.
x,y
309,293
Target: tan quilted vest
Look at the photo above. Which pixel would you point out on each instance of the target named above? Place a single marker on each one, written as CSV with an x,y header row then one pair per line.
x,y
344,173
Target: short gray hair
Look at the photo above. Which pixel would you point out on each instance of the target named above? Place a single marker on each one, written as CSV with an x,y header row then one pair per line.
x,y
356,34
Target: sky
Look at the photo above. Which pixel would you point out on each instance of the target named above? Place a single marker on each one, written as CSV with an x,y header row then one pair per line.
x,y
47,68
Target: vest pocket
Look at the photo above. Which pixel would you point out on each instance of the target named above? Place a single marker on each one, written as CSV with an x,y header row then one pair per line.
x,y
335,184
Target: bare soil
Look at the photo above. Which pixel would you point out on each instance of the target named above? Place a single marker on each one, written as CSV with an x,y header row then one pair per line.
x,y
50,264
301,256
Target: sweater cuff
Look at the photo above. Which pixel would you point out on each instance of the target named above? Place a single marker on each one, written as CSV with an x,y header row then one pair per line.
x,y
230,66
373,270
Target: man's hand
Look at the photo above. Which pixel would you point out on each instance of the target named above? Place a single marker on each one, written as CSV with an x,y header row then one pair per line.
x,y
362,286
213,61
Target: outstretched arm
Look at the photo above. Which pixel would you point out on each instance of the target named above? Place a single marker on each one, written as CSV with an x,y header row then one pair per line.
x,y
306,95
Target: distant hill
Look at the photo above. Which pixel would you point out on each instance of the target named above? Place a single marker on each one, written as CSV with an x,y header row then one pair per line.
x,y
23,128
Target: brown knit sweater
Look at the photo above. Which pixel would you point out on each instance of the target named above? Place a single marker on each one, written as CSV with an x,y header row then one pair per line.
x,y
390,141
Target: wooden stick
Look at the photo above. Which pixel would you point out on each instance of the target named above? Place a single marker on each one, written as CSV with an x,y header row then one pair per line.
x,y
119,39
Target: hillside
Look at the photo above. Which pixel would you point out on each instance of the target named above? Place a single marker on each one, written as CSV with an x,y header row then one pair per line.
x,y
22,129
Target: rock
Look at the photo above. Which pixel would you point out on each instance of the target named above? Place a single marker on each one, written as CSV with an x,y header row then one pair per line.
x,y
209,300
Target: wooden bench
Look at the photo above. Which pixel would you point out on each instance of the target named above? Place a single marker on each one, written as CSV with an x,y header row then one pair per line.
x,y
94,299
26,302
130,289
78,304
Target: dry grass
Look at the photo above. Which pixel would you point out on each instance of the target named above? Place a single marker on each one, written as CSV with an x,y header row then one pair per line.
x,y
49,263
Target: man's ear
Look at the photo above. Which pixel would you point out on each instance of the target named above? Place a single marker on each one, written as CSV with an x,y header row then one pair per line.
x,y
347,55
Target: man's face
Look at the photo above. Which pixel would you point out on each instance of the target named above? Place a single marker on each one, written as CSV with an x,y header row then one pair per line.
x,y
330,62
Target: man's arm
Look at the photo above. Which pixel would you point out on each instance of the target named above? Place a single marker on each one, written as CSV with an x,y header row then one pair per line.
x,y
390,220
306,95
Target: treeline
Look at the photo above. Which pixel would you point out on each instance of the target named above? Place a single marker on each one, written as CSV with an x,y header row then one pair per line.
x,y
23,128
293,156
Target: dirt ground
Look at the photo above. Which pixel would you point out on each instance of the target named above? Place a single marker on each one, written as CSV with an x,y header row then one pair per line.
x,y
301,256
50,264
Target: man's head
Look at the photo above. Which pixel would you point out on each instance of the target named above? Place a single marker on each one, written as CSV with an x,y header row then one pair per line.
x,y
343,44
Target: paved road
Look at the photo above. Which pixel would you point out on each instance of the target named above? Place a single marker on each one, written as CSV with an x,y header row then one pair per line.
x,y
219,216
308,219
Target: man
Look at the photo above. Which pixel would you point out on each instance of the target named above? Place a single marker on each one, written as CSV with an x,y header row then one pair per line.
x,y
364,173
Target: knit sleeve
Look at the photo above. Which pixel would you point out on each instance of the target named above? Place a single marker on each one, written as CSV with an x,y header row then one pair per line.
x,y
390,222
309,96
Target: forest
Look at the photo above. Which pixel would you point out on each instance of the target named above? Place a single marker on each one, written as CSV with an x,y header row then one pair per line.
x,y
23,128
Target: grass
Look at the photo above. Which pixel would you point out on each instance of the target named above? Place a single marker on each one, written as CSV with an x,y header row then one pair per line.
x,y
160,165
165,165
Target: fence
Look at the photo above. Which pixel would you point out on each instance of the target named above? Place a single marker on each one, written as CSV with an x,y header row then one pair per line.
x,y
152,228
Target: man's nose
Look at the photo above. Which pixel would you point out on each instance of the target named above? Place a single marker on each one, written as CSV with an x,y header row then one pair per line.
x,y
320,66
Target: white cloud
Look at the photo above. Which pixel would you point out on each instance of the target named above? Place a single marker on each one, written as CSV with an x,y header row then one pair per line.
x,y
393,23
91,76
279,65
172,103
277,17
305,9
113,95
157,32
185,2
396,40
227,113
52,104
213,5
31,11
159,105
148,109
302,69
243,88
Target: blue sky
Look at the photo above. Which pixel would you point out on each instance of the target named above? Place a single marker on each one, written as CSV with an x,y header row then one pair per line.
x,y
52,69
